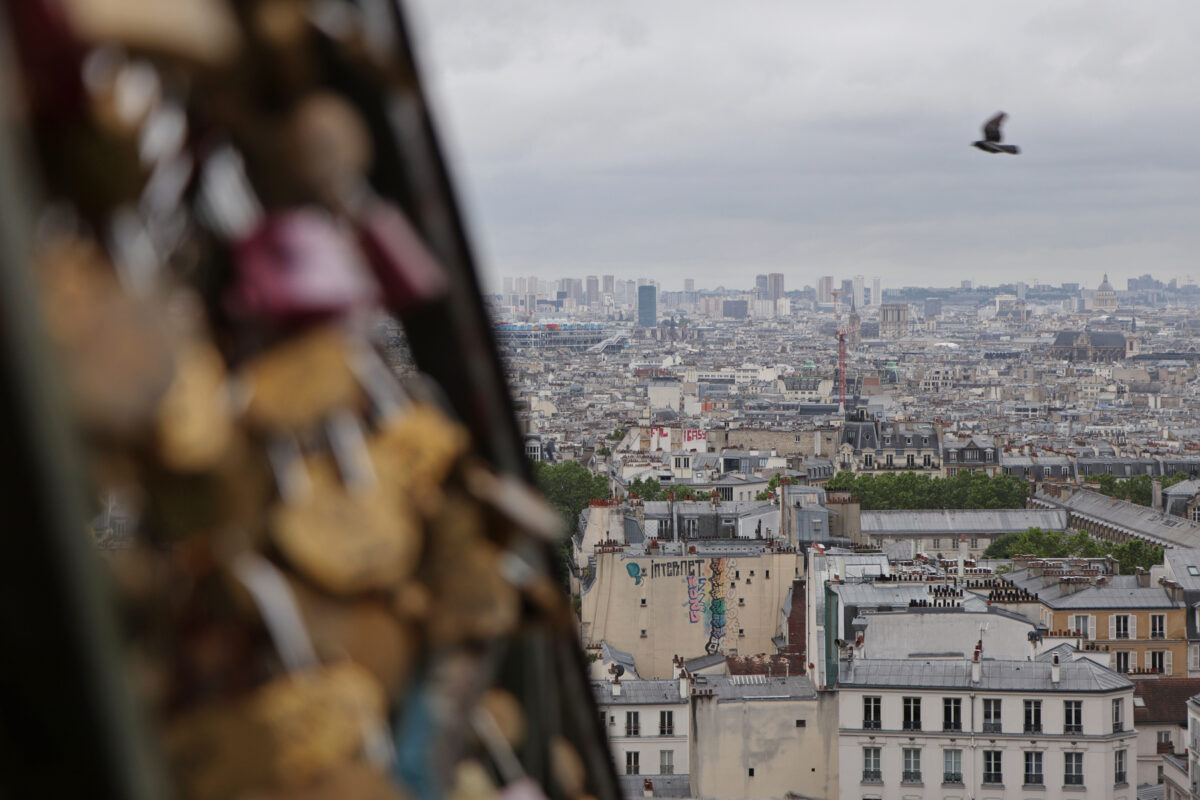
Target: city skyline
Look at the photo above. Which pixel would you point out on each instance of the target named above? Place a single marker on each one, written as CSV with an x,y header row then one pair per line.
x,y
590,139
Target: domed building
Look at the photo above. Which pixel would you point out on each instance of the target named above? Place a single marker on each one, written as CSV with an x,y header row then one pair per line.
x,y
1106,296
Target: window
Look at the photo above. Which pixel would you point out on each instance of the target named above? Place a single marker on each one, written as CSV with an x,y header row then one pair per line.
x,y
908,441
631,763
871,714
1193,570
871,771
689,527
801,723
912,713
666,723
1157,660
991,715
633,725
1121,626
1163,737
992,772
868,460
1158,626
666,762
741,631
910,460
643,602
1073,769
912,765
952,763
928,460
1033,768
1033,716
1072,716
643,633
974,542
1080,625
1123,661
741,601
1119,767
952,713
1118,715
888,458
987,455
768,575
954,455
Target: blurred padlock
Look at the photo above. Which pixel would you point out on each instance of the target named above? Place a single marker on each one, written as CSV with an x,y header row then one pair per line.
x,y
298,266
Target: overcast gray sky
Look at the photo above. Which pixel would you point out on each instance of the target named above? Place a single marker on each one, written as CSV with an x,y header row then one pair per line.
x,y
716,140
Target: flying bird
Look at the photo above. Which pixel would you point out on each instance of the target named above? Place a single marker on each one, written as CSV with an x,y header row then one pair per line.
x,y
990,143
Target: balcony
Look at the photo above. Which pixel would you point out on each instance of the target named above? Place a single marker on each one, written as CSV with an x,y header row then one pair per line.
x,y
912,724
991,727
953,778
1165,747
871,724
1033,727
951,726
993,777
1073,780
1118,727
872,776
1034,779
1073,727
910,776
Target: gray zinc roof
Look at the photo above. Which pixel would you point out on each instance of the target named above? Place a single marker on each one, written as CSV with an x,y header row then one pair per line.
x,y
1139,520
638,692
947,521
995,676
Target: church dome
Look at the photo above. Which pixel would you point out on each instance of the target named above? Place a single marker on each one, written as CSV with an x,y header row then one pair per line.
x,y
1105,286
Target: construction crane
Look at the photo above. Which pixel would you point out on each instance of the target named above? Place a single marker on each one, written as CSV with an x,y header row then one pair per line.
x,y
842,332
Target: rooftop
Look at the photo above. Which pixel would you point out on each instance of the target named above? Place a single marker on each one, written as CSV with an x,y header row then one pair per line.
x,y
995,676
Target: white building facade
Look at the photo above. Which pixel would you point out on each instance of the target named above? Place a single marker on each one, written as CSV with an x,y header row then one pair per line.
x,y
993,730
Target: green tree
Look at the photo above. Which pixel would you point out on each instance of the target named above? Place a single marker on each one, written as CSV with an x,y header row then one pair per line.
x,y
569,487
908,489
1056,544
772,486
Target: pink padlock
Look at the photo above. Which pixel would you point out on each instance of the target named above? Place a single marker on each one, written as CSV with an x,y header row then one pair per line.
x,y
406,270
296,266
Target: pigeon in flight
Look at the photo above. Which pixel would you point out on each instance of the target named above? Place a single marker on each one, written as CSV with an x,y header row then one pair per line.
x,y
990,143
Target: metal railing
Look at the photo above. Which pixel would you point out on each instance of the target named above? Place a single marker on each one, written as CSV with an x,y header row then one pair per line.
x,y
910,776
993,777
1073,780
991,727
947,725
871,724
1033,779
1033,727
1119,777
912,724
872,776
952,777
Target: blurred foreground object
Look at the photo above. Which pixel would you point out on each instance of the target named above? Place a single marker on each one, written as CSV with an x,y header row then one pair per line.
x,y
331,582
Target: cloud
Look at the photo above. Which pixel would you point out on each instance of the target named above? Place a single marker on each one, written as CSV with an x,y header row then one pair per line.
x,y
705,139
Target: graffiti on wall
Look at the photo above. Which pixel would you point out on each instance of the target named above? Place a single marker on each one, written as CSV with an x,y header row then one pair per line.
x,y
695,603
715,616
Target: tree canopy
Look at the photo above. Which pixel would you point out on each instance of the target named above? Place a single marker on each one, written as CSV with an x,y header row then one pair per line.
x,y
569,487
1056,544
1138,489
912,490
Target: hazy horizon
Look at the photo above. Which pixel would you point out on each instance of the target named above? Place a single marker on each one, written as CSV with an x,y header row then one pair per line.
x,y
715,142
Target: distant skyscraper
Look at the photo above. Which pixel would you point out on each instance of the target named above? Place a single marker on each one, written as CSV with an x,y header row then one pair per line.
x,y
531,285
610,284
575,289
520,286
876,293
860,291
966,285
825,289
1022,288
508,288
689,284
647,309
933,307
775,286
760,287
847,292
593,290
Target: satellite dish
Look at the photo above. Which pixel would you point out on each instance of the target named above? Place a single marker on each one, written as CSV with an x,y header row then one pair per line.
x,y
620,670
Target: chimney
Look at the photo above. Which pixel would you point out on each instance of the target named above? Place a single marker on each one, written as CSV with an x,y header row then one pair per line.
x,y
1156,494
976,672
1143,578
962,556
616,686
1055,671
